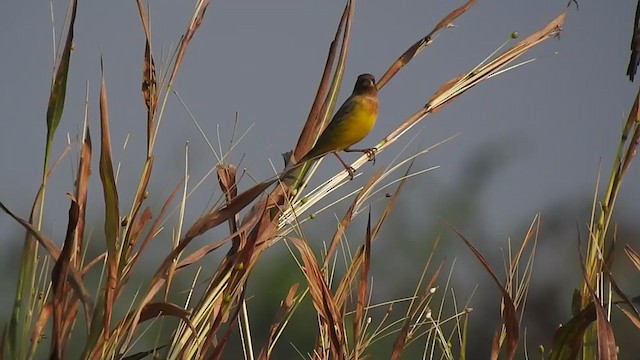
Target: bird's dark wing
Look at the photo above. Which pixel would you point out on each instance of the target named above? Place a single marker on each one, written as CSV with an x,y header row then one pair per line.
x,y
635,46
346,108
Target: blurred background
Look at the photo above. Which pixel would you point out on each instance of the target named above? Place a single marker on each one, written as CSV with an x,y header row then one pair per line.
x,y
531,141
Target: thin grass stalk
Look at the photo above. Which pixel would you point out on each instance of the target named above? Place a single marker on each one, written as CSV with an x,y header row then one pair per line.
x,y
599,228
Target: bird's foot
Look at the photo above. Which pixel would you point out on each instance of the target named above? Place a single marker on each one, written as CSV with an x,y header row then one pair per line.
x,y
371,154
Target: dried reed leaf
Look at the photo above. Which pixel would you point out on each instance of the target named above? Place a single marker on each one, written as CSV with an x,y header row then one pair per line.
x,y
401,341
44,240
280,321
227,181
631,316
323,301
38,328
59,276
348,216
509,313
345,283
234,206
149,80
138,225
88,266
633,256
156,309
607,348
313,124
421,44
359,320
619,292
112,214
143,354
82,185
567,340
194,24
200,253
150,234
54,252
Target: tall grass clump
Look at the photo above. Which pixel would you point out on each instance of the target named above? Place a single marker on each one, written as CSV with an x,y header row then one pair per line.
x,y
57,311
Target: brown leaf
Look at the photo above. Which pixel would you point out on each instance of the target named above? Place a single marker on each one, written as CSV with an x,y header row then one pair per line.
x,y
567,340
82,185
606,341
149,81
509,313
416,48
348,216
54,252
323,301
633,256
59,276
286,307
412,313
157,309
312,126
41,323
359,320
112,214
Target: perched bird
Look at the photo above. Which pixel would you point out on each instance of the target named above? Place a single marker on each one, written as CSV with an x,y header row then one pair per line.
x,y
351,123
635,46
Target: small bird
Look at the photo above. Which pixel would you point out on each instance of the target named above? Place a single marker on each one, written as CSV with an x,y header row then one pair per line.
x,y
351,123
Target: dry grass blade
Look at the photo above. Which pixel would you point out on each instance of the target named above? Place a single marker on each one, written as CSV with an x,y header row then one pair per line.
x,y
54,252
202,252
284,312
149,79
323,301
421,44
607,348
82,185
160,277
359,319
622,295
112,214
143,354
44,240
150,235
633,256
209,221
156,309
59,276
194,24
631,316
38,328
228,185
567,340
345,283
509,314
401,341
348,216
313,124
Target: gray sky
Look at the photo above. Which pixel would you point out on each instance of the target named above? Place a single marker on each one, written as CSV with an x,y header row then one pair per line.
x,y
557,118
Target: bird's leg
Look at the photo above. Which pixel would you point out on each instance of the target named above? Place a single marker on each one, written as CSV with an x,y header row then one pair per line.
x,y
349,169
370,152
